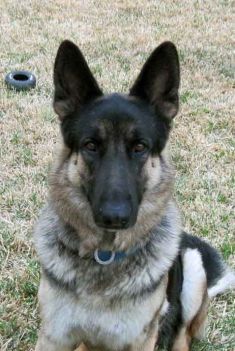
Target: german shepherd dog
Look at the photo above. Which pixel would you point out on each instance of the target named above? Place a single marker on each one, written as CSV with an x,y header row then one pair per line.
x,y
118,272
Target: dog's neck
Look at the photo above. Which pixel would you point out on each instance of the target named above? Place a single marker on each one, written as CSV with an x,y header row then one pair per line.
x,y
106,242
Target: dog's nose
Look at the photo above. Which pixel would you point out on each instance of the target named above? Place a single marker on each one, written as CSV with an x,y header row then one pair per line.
x,y
114,215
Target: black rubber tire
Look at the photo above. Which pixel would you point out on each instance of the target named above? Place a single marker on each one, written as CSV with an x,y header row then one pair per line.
x,y
20,80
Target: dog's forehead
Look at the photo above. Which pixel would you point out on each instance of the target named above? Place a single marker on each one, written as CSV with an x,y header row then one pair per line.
x,y
116,113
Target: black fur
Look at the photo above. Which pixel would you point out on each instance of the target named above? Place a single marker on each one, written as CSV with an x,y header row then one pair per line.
x,y
97,186
115,134
172,321
212,260
214,268
139,258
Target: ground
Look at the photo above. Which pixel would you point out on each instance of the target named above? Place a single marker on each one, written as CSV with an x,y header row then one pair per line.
x,y
116,38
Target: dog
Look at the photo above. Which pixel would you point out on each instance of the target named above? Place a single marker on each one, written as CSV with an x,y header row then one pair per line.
x,y
118,271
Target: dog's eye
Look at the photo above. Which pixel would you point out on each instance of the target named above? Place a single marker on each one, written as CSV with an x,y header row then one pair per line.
x,y
91,146
139,147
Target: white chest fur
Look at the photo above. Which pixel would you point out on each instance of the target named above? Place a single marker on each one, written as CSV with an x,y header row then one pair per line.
x,y
90,319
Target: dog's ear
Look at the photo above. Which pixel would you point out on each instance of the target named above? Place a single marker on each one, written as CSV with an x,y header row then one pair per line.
x,y
158,82
73,80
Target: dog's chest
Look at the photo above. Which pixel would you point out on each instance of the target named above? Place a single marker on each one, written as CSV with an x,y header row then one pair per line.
x,y
118,326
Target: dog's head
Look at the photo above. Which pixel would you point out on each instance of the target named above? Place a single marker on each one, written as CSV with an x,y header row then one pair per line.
x,y
115,141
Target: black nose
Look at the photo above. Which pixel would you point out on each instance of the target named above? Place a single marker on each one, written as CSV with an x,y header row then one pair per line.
x,y
114,215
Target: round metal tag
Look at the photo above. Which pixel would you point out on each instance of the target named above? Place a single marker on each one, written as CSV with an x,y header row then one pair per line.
x,y
104,257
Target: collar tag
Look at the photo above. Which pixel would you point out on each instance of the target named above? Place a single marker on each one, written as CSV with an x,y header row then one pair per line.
x,y
104,257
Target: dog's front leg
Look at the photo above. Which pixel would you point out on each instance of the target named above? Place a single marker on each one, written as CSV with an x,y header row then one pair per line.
x,y
44,343
148,345
82,347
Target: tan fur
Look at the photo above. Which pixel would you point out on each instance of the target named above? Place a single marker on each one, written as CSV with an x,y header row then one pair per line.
x,y
76,169
52,301
186,333
82,348
148,345
69,171
66,174
120,307
44,344
195,304
195,327
182,341
198,325
153,171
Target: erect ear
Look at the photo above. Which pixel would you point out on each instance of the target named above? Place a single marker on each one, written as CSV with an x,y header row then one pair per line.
x,y
158,82
73,80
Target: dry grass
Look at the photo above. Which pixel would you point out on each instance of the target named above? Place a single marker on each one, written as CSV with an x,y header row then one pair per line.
x,y
116,38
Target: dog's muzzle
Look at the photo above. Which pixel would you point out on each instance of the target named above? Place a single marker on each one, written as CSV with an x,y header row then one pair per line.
x,y
114,215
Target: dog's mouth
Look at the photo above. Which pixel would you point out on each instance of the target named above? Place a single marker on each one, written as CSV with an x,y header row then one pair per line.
x,y
112,227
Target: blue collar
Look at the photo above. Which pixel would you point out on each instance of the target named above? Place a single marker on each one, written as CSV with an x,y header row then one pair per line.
x,y
106,257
